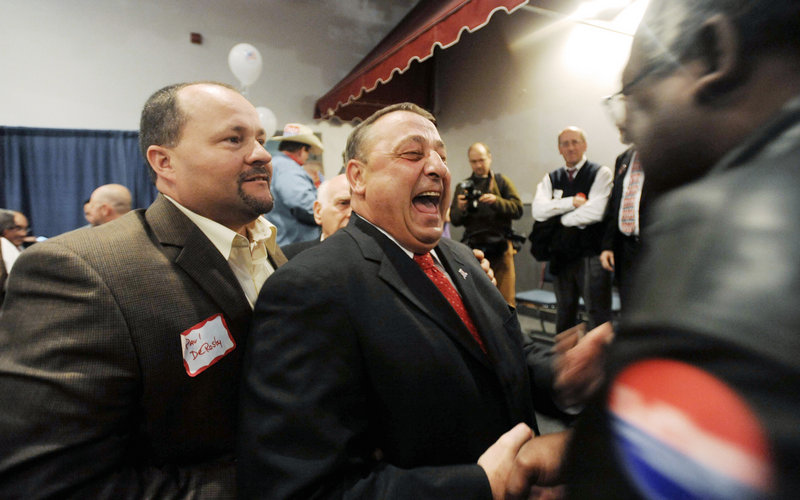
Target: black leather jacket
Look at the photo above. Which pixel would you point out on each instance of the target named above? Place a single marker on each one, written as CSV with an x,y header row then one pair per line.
x,y
718,289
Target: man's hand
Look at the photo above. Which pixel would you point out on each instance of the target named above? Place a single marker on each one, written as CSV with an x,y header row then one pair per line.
x,y
487,198
579,363
578,200
538,463
485,265
497,461
462,202
607,260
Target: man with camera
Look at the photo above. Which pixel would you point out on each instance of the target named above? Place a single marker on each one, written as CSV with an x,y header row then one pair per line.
x,y
485,203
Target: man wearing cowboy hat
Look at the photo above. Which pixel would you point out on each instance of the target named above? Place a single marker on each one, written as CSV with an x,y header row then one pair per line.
x,y
292,188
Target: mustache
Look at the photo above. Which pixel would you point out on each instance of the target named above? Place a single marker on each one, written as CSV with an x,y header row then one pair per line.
x,y
256,171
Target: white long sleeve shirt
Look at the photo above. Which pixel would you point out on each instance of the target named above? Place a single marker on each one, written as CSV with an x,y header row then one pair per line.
x,y
549,203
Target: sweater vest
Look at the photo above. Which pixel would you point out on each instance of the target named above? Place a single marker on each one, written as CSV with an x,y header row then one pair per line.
x,y
582,183
591,236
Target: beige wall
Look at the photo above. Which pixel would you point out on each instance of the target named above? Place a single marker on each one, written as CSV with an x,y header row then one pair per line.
x,y
520,80
91,64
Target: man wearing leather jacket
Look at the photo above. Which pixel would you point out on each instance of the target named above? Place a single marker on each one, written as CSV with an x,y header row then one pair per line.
x,y
702,399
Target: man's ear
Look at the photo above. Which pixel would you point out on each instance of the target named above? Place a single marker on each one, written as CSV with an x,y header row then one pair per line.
x,y
356,172
720,54
317,212
159,159
106,210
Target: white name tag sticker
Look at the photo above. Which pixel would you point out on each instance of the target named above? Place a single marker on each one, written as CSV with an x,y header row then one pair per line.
x,y
206,343
558,194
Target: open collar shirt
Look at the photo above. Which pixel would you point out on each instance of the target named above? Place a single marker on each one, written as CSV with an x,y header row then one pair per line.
x,y
248,257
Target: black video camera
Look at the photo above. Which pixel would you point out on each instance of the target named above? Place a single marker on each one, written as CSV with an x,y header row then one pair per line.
x,y
472,193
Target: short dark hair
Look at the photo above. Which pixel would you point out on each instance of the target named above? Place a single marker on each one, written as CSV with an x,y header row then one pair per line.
x,y
163,120
355,142
292,146
761,25
6,221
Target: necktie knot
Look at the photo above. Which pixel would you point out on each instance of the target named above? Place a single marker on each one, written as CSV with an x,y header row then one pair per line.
x,y
424,260
636,166
571,173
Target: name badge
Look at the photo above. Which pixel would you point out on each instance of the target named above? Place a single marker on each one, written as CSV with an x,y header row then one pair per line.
x,y
558,194
206,343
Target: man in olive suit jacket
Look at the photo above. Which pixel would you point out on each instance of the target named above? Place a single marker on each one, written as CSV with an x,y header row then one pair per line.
x,y
120,346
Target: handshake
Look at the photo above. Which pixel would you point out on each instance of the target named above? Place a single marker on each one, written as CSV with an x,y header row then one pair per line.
x,y
520,465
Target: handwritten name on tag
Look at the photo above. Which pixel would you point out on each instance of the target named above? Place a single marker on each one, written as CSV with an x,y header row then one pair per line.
x,y
206,343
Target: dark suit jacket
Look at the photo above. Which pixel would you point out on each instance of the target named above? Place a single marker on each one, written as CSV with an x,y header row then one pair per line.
x,y
293,249
96,400
611,215
361,381
624,247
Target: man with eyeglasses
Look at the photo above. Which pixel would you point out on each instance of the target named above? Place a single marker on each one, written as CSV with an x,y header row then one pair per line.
x,y
13,236
17,232
701,398
574,198
13,229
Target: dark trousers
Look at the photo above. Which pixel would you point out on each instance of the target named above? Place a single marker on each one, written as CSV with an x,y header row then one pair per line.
x,y
585,278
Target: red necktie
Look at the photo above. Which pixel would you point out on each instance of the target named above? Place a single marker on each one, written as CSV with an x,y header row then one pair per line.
x,y
425,261
571,174
629,206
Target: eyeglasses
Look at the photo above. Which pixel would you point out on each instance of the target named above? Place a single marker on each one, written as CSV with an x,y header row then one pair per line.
x,y
25,229
615,104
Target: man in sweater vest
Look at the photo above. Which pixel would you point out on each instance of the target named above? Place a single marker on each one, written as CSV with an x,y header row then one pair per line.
x,y
577,194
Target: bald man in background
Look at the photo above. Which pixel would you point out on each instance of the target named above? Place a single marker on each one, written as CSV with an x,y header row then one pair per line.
x,y
331,212
107,203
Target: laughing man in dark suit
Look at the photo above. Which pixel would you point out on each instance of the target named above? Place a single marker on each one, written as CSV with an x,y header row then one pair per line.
x,y
361,378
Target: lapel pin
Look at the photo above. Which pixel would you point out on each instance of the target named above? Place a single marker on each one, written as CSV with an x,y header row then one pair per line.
x,y
463,273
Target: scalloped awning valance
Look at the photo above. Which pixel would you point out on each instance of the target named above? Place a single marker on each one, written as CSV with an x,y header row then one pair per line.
x,y
387,75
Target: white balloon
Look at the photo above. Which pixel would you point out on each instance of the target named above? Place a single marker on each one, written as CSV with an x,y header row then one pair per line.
x,y
245,63
268,120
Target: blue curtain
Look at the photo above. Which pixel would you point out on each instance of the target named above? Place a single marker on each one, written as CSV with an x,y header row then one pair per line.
x,y
48,174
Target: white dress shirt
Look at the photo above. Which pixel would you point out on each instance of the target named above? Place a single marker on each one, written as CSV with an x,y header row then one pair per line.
x,y
410,254
10,253
548,203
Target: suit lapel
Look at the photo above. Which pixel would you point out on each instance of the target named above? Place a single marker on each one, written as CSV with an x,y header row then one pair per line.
x,y
191,250
462,274
407,279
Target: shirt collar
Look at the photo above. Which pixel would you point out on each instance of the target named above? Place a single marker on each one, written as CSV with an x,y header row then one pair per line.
x,y
222,237
578,166
404,249
292,157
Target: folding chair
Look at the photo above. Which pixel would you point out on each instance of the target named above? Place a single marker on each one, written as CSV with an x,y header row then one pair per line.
x,y
539,303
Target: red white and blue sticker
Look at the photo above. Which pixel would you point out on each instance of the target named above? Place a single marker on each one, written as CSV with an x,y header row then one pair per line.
x,y
683,433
